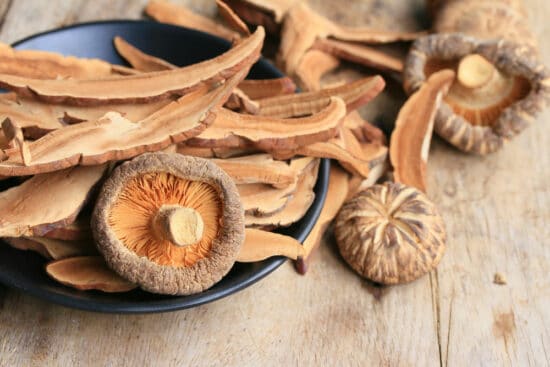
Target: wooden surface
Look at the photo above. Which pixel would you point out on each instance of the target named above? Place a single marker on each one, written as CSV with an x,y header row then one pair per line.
x,y
497,211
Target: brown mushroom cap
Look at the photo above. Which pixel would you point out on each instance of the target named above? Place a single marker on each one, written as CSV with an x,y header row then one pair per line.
x,y
390,233
499,90
150,213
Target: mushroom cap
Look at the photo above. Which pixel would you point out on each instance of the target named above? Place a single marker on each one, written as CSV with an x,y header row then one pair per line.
x,y
390,233
481,120
124,217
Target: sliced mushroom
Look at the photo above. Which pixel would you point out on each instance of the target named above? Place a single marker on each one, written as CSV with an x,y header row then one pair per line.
x,y
259,245
390,233
313,66
410,140
114,138
499,88
235,130
167,12
63,193
86,273
141,87
264,88
232,19
53,248
296,207
171,224
354,94
77,230
49,65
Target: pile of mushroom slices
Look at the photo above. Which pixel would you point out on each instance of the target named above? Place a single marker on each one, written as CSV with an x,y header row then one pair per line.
x,y
160,177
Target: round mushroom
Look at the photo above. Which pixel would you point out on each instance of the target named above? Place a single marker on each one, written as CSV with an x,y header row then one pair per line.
x,y
390,233
170,223
499,89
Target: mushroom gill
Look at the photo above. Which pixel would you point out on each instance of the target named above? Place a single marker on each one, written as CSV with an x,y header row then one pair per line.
x,y
480,91
150,214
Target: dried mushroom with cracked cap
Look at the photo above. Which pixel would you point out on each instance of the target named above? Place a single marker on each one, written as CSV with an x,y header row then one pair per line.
x,y
170,223
390,233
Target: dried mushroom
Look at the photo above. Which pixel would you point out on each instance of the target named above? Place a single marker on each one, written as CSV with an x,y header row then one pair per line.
x,y
53,248
410,140
64,193
259,245
171,224
86,273
114,137
313,66
143,87
498,91
167,12
390,233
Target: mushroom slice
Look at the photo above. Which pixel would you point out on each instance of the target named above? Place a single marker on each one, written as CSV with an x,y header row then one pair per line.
x,y
258,168
259,245
231,129
231,18
86,273
262,200
37,118
359,54
499,88
171,224
336,194
390,233
221,153
77,230
410,140
139,59
354,94
263,88
115,138
49,65
297,206
52,248
167,12
63,193
142,87
313,66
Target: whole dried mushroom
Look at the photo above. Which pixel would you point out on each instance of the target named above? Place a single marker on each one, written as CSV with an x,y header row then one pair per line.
x,y
499,89
390,233
170,223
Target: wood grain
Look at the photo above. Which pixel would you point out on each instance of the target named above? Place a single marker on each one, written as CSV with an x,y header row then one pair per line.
x,y
497,210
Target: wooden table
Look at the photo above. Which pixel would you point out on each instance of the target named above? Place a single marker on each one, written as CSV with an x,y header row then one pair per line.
x,y
497,210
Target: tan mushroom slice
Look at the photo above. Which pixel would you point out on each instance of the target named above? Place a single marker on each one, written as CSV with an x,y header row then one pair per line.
x,y
410,140
222,153
498,91
262,200
303,26
336,194
77,230
171,224
296,207
390,233
258,168
354,94
63,193
259,245
87,273
239,101
167,12
37,118
312,67
52,248
231,129
231,18
359,54
115,138
16,141
264,88
141,87
49,65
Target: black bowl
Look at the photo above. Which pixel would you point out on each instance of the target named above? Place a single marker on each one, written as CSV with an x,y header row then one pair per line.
x,y
24,270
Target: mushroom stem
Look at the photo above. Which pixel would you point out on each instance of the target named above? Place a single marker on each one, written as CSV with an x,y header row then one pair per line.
x,y
474,71
178,224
